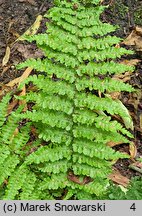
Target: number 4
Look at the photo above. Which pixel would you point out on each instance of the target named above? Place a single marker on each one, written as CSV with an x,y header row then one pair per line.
x,y
133,207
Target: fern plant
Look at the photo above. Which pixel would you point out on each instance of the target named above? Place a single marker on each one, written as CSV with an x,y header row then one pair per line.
x,y
73,110
17,180
117,192
133,191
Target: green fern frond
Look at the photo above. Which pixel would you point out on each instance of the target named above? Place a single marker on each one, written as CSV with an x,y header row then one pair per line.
x,y
50,117
28,186
81,195
20,140
4,153
96,162
98,44
47,85
98,187
99,150
50,68
103,68
107,124
8,129
8,167
56,167
16,181
53,102
54,182
45,154
107,84
3,108
104,104
86,170
110,53
73,124
54,135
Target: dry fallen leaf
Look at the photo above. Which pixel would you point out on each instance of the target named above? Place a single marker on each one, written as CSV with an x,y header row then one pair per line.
x,y
132,150
4,90
127,75
123,77
135,99
32,2
14,33
21,78
28,51
76,179
117,45
115,95
11,106
118,178
111,143
5,69
33,29
131,62
135,38
6,57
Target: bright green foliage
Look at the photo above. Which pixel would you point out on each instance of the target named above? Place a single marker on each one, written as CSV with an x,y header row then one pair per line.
x,y
116,192
14,175
73,122
133,191
3,109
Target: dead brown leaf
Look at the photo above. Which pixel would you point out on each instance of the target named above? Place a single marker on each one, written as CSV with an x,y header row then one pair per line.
x,y
33,29
76,179
32,2
32,150
115,95
100,94
123,77
6,57
5,69
27,51
132,62
117,45
11,106
34,131
111,143
132,150
135,99
118,178
135,38
14,33
127,75
21,78
5,181
4,89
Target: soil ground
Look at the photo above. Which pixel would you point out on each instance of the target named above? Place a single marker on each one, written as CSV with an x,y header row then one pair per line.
x,y
16,16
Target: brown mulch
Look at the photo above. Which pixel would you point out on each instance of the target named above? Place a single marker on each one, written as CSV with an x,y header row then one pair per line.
x,y
16,16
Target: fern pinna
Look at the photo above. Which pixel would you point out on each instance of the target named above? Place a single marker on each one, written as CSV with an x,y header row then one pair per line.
x,y
73,109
